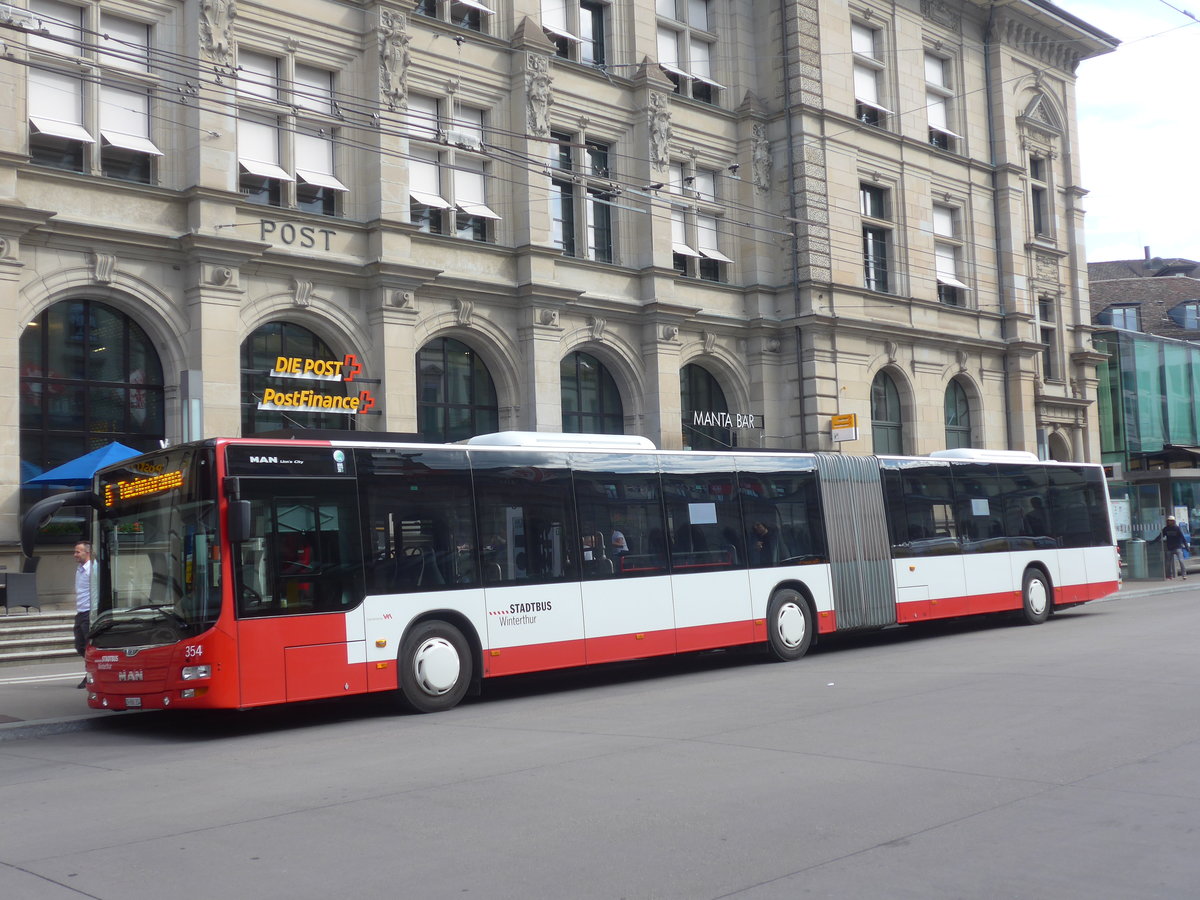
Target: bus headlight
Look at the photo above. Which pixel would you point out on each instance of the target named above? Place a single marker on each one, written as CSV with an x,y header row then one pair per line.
x,y
191,673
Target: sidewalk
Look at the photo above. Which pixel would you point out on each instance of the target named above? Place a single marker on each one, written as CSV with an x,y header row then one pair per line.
x,y
39,699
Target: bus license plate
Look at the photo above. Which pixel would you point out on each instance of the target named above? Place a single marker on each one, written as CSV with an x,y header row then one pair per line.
x,y
133,702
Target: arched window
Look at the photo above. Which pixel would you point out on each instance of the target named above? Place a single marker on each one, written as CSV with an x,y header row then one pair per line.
x,y
958,417
701,393
89,376
591,403
456,397
887,425
260,352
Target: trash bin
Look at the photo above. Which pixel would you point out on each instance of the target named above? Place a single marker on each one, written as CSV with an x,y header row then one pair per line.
x,y
1137,559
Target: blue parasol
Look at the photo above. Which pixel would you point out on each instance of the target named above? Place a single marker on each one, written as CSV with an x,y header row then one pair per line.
x,y
78,472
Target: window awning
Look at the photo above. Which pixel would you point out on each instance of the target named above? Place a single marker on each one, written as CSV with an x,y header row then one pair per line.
x,y
264,169
477,209
946,131
562,33
710,253
475,4
684,250
320,179
709,81
951,281
874,105
131,142
427,199
67,130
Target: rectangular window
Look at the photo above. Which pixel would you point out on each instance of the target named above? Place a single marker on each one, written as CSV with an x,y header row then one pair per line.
x,y
427,202
307,554
712,259
443,164
950,289
1048,334
938,99
526,520
63,129
57,137
470,198
1039,197
262,178
872,201
1127,317
681,251
471,14
58,27
581,205
287,134
420,521
869,72
686,49
621,519
875,258
126,150
577,29
704,522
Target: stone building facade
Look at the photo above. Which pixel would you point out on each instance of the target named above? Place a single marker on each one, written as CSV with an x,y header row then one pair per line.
x,y
702,221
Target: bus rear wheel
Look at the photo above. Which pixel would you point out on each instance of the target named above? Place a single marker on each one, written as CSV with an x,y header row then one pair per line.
x,y
789,625
435,667
1036,597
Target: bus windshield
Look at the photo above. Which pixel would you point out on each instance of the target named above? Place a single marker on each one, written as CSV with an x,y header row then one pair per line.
x,y
158,561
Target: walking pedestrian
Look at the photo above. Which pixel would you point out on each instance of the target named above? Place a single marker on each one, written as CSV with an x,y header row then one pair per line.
x,y
1174,540
85,566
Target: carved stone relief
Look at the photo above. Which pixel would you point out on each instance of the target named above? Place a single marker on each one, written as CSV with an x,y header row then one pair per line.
x,y
394,59
216,30
539,88
659,114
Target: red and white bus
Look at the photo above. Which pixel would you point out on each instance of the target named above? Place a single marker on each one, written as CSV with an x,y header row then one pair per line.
x,y
238,573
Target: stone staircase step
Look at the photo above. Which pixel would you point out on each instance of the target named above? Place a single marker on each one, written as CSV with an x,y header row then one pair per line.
x,y
36,637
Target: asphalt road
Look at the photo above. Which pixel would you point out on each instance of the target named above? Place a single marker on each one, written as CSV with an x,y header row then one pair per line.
x,y
961,761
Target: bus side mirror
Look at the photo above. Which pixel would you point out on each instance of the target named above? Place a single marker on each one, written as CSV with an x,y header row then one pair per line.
x,y
239,521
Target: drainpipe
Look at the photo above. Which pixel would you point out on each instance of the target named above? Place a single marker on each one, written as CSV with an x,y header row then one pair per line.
x,y
792,212
988,51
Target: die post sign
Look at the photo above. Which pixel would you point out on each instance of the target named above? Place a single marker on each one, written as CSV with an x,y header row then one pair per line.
x,y
315,399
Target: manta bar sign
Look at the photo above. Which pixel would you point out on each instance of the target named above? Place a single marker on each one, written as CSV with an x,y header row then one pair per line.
x,y
309,400
712,419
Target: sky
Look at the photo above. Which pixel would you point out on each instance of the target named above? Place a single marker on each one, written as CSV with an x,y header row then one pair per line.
x,y
1139,129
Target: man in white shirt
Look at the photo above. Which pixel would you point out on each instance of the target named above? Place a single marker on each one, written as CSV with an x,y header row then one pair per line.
x,y
83,597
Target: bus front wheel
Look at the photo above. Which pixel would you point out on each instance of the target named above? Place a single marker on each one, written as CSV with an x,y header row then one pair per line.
x,y
789,625
435,667
1036,597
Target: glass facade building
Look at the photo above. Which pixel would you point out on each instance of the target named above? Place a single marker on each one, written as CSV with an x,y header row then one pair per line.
x,y
1150,438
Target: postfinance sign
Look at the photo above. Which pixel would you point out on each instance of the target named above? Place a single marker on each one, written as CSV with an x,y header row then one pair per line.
x,y
313,400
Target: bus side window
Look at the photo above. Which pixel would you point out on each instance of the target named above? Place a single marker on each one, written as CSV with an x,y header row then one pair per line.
x,y
620,515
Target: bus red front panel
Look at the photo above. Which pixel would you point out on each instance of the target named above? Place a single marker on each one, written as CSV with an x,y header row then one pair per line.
x,y
198,673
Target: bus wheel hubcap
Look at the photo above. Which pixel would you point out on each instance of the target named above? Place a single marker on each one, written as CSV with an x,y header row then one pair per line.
x,y
1037,597
436,664
790,625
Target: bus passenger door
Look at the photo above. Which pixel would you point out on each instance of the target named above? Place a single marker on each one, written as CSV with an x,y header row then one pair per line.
x,y
300,591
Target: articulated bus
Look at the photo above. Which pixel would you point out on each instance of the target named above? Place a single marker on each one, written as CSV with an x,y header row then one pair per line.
x,y
242,572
